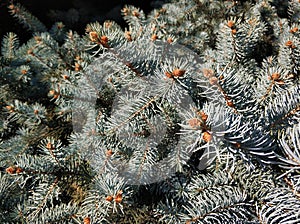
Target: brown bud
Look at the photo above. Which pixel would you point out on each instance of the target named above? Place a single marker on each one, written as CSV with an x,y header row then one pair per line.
x,y
275,76
30,51
213,80
104,39
52,92
77,66
238,145
118,197
36,111
178,72
230,24
56,95
11,6
109,153
168,74
93,36
11,170
194,122
23,71
128,35
19,170
229,103
290,44
107,24
294,30
208,72
125,11
9,107
154,37
207,136
169,40
38,39
203,115
109,198
87,220
78,58
135,13
49,146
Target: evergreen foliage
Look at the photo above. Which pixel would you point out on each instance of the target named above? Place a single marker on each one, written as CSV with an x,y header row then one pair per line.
x,y
190,114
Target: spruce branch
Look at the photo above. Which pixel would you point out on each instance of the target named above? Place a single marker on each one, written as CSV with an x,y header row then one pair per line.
x,y
26,18
10,44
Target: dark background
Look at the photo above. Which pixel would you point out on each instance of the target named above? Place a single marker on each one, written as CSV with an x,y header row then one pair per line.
x,y
75,14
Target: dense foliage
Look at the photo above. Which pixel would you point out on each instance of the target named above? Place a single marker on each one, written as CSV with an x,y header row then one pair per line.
x,y
190,114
